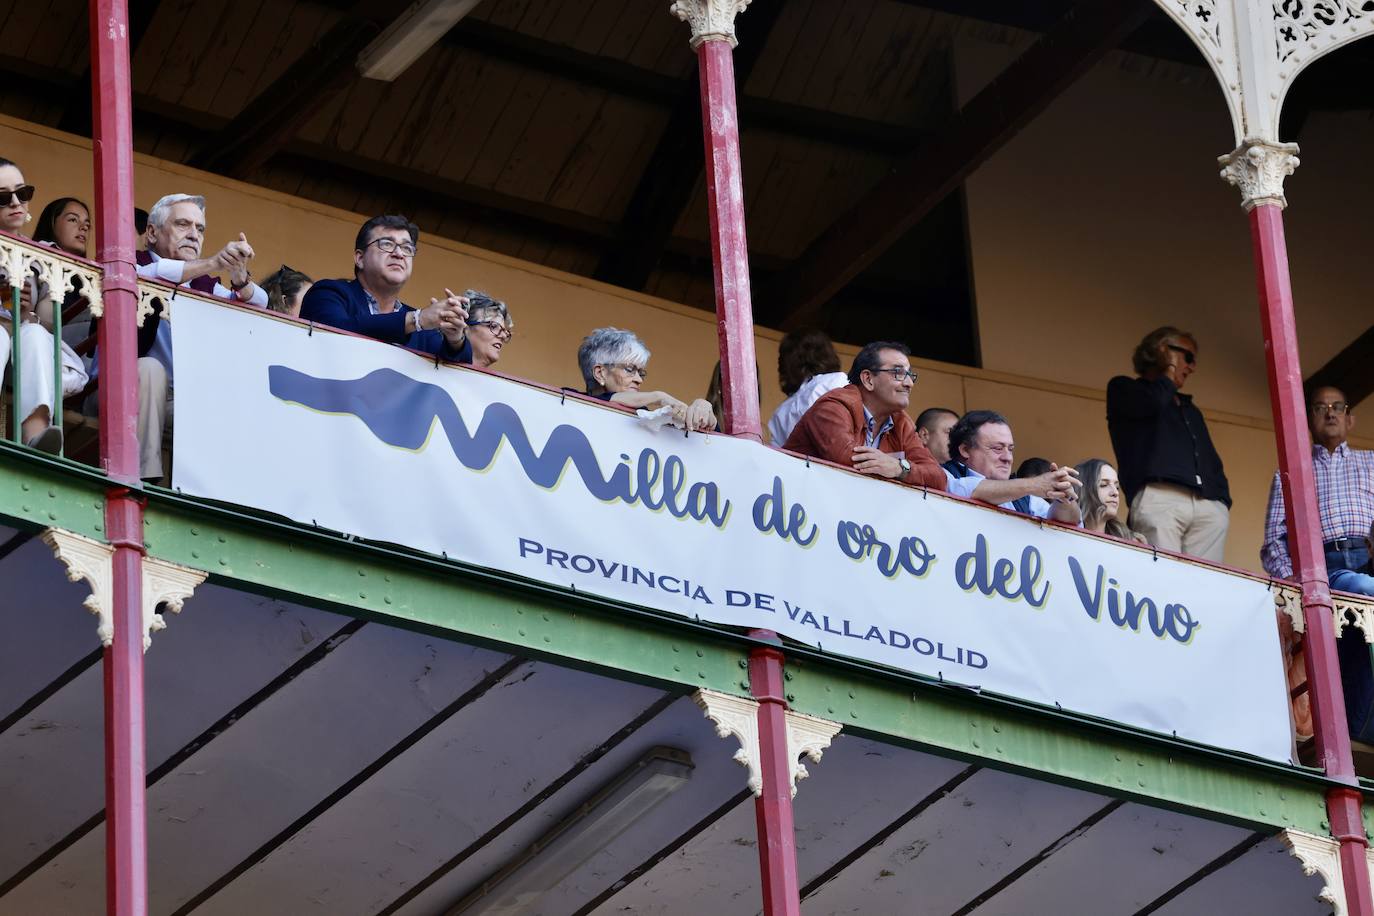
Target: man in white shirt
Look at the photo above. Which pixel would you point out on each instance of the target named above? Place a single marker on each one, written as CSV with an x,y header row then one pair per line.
x,y
176,232
982,448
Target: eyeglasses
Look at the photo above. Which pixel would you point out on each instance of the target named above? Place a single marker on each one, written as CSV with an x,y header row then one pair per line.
x,y
897,373
1189,356
498,330
25,194
629,370
391,246
999,449
1337,407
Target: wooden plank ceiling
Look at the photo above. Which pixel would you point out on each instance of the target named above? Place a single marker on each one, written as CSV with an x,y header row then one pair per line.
x,y
567,134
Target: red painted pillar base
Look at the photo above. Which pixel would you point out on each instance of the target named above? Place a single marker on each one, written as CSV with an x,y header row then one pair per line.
x,y
126,842
773,809
729,247
1305,546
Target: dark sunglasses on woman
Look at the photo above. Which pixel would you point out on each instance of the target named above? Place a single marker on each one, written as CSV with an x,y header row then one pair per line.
x,y
25,194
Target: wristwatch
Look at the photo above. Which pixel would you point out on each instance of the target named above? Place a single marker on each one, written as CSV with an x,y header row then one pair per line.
x,y
906,468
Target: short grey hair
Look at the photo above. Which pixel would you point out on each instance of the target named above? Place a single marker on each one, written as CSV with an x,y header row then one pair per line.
x,y
157,216
607,346
479,304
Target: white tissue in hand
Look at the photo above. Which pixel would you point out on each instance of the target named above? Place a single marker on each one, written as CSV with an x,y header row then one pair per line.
x,y
657,419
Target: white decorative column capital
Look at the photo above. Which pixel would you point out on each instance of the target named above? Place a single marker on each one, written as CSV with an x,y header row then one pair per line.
x,y
163,582
1319,855
711,20
738,716
1257,168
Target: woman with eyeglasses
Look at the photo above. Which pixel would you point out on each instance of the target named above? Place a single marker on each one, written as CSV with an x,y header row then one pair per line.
x,y
613,364
489,327
36,390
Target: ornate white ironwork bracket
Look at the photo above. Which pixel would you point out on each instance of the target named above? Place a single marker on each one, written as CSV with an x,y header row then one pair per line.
x,y
1258,168
737,716
1319,855
58,272
146,294
711,20
807,736
163,583
1346,610
90,560
1256,48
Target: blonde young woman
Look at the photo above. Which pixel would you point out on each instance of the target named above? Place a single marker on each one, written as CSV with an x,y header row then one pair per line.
x,y
1100,500
36,389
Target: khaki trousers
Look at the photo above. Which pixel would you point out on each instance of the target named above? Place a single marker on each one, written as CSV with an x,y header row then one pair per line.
x,y
1175,518
154,416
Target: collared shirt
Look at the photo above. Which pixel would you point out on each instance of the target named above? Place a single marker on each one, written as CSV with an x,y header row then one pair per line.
x,y
1159,435
785,418
872,438
1345,501
964,486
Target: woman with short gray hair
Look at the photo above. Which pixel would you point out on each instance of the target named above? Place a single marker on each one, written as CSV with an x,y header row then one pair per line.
x,y
490,327
613,363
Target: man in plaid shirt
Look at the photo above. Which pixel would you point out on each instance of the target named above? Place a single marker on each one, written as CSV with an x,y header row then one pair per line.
x,y
1345,499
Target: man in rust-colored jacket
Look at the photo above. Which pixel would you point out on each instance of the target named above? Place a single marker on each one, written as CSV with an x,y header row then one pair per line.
x,y
864,425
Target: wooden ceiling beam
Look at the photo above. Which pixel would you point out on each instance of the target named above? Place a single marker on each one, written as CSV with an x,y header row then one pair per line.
x,y
76,118
665,186
270,120
972,136
1351,370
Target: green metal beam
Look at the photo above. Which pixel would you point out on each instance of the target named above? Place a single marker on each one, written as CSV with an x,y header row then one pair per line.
x,y
1096,756
37,491
324,569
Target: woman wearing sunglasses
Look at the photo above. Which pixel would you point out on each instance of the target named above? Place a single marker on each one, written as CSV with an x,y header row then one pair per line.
x,y
35,400
1170,471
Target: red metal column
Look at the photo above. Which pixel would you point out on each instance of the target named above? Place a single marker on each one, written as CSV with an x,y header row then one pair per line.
x,y
1305,545
773,809
126,848
739,380
729,247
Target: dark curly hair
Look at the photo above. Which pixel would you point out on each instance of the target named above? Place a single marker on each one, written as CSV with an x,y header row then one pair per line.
x,y
803,354
966,430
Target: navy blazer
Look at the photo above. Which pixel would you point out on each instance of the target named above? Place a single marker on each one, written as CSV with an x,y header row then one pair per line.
x,y
343,304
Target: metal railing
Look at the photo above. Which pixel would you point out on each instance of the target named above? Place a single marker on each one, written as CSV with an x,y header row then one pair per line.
x,y
25,261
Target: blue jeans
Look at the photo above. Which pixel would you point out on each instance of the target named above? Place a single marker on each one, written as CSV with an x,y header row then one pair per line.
x,y
1349,571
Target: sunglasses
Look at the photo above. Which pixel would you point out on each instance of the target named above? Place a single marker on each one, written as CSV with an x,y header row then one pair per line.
x,y
1189,356
25,194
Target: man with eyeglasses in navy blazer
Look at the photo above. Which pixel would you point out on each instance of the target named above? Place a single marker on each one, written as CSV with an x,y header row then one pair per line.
x,y
1173,477
370,303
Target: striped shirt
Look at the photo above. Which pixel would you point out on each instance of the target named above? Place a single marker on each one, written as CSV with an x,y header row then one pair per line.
x,y
1345,500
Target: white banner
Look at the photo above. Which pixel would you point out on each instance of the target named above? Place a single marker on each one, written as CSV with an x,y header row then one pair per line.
x,y
382,443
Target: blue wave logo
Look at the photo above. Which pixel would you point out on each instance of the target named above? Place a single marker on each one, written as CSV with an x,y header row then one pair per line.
x,y
402,412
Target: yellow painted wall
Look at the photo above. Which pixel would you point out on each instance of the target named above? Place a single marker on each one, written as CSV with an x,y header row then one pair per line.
x,y
1053,413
